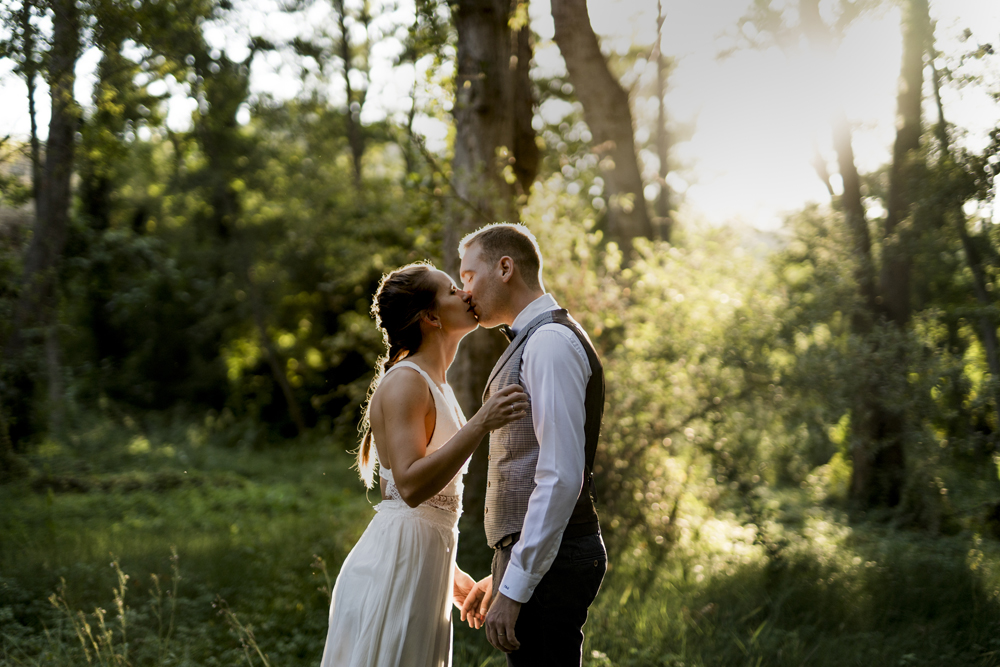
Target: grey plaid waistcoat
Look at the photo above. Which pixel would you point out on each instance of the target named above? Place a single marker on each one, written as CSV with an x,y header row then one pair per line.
x,y
514,449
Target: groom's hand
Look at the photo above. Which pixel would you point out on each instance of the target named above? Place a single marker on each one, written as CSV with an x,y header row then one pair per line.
x,y
477,602
500,622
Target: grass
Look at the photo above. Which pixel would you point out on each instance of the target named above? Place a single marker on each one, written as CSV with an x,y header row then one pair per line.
x,y
155,545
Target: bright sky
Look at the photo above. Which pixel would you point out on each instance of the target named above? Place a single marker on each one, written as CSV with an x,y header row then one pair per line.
x,y
759,115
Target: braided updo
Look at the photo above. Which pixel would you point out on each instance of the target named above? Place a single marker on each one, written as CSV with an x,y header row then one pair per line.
x,y
402,297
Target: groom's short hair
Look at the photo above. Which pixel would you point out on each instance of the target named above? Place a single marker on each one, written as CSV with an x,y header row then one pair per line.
x,y
512,240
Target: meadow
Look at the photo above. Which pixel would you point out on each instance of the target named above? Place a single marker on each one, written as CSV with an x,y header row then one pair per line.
x,y
159,544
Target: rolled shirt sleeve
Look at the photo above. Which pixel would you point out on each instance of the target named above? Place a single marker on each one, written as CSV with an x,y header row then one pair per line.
x,y
554,372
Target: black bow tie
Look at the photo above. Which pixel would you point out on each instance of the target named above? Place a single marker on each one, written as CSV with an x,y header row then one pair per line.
x,y
507,332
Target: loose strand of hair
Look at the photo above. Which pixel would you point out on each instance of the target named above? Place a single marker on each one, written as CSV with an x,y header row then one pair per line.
x,y
398,347
365,461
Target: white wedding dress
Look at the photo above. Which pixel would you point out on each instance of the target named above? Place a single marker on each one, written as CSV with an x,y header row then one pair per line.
x,y
392,601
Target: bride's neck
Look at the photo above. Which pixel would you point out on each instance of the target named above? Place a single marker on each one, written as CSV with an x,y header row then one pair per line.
x,y
435,355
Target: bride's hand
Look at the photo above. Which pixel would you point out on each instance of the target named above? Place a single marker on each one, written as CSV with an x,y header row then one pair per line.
x,y
477,602
462,587
507,405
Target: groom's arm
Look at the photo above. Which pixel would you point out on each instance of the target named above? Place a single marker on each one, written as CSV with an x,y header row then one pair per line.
x,y
554,373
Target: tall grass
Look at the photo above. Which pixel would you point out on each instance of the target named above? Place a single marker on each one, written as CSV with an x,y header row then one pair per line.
x,y
234,564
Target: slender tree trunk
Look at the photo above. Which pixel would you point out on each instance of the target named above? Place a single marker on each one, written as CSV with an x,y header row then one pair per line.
x,y
354,135
273,358
895,276
607,112
407,145
30,74
493,107
56,391
821,38
857,224
987,326
664,222
869,415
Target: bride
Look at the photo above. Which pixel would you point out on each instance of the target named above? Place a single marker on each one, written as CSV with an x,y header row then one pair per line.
x,y
391,604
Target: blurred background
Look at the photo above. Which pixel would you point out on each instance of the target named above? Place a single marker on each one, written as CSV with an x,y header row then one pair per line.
x,y
777,219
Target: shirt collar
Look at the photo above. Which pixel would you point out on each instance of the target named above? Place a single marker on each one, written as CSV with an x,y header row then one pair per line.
x,y
542,304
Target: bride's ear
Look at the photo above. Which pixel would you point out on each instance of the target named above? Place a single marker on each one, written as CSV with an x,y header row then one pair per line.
x,y
431,318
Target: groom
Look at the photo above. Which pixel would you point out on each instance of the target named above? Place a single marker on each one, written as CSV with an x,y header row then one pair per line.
x,y
549,558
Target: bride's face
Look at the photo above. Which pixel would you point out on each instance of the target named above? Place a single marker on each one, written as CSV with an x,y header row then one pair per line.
x,y
452,308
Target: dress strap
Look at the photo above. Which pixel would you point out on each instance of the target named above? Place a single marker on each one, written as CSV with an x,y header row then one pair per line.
x,y
423,373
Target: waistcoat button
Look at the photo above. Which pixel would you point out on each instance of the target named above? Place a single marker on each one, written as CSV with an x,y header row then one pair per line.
x,y
487,485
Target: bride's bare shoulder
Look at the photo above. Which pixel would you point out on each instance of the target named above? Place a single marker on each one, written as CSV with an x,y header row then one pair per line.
x,y
403,389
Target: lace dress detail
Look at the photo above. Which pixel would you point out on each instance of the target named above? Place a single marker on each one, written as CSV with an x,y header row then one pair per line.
x,y
440,501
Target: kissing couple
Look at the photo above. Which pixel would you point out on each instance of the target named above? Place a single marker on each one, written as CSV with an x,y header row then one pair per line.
x,y
542,407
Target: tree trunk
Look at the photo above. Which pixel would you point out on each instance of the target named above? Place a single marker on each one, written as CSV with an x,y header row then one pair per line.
x,y
354,136
493,108
895,276
30,74
987,326
607,112
273,359
857,224
664,222
52,199
880,458
868,414
876,451
56,391
36,305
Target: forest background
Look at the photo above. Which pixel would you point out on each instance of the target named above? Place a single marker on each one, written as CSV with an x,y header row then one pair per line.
x,y
799,459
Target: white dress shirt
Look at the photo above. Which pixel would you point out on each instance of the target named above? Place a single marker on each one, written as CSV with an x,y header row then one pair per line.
x,y
554,373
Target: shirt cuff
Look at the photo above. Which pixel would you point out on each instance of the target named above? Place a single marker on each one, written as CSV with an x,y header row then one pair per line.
x,y
517,584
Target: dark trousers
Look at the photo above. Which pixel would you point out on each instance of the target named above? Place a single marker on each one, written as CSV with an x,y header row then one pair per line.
x,y
550,624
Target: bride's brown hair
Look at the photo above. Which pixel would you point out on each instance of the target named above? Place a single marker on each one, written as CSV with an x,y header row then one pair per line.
x,y
402,297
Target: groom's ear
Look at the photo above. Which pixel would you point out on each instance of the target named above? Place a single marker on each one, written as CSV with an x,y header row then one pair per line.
x,y
506,268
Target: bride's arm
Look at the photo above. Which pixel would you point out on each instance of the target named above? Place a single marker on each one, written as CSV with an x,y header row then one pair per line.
x,y
405,401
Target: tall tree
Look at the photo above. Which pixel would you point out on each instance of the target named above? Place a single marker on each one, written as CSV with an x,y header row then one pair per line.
x,y
972,247
878,452
355,98
609,117
664,221
53,192
52,199
494,165
880,458
895,275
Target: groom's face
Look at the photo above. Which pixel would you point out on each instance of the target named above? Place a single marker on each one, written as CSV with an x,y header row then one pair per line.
x,y
483,287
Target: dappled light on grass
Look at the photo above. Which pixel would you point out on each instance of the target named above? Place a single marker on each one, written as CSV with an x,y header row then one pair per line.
x,y
837,595
802,585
